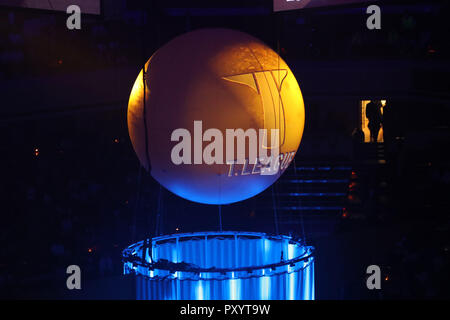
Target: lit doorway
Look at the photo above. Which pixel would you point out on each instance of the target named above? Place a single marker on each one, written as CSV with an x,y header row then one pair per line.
x,y
364,122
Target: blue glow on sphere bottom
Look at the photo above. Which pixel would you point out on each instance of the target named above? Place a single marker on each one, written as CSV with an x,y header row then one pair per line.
x,y
221,266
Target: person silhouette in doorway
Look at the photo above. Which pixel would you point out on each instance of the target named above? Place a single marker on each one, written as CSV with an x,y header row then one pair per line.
x,y
373,114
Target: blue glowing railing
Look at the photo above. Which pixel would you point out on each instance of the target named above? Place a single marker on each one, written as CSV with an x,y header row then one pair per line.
x,y
221,265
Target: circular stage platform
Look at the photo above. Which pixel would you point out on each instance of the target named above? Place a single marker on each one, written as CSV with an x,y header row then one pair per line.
x,y
221,265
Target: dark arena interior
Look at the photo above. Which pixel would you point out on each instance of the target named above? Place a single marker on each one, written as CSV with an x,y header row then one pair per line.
x,y
73,191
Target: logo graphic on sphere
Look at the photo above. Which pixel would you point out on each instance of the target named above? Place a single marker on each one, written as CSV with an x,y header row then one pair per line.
x,y
221,79
266,83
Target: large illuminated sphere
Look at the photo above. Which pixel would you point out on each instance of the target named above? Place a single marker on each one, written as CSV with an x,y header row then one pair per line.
x,y
228,80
